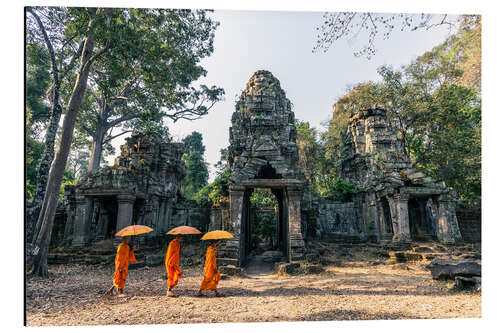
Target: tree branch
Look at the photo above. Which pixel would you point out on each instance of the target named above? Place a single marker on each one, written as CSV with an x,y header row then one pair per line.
x,y
115,136
121,119
55,70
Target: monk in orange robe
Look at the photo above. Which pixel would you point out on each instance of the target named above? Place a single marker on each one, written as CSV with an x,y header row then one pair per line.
x,y
124,256
211,276
172,264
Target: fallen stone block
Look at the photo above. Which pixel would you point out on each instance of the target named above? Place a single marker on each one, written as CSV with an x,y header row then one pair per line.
x,y
312,268
449,268
288,268
466,283
230,270
422,249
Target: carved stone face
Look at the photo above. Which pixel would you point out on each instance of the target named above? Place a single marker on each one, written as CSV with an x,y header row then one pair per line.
x,y
261,115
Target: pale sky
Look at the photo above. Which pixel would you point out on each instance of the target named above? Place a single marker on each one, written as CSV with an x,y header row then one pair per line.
x,y
282,42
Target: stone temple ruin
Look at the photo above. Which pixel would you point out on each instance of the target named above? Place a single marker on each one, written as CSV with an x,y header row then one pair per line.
x,y
142,187
395,202
263,154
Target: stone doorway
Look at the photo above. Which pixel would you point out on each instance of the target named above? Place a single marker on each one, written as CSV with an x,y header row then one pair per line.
x,y
263,154
421,224
109,218
264,227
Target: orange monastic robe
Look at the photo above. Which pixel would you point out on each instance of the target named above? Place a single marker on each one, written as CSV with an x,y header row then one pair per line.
x,y
172,263
124,256
212,276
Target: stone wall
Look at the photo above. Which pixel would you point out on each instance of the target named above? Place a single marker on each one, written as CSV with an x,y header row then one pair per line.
x,y
469,221
337,218
142,187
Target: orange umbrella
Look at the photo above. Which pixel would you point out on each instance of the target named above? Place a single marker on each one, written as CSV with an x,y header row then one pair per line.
x,y
133,230
184,230
217,234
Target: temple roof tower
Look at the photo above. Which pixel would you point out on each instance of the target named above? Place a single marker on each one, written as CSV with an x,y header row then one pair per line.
x,y
262,137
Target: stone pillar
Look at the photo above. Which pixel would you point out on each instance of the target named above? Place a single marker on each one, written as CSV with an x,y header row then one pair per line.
x,y
373,217
81,227
235,246
70,220
447,224
384,233
295,240
125,212
151,212
400,218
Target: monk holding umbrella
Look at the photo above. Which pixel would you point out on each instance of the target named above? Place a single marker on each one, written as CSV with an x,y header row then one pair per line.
x,y
211,276
172,256
124,256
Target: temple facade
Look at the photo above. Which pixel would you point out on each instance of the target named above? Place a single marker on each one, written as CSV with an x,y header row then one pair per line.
x,y
142,187
395,202
263,154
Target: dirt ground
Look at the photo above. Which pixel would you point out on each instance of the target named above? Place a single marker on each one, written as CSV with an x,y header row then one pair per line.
x,y
73,295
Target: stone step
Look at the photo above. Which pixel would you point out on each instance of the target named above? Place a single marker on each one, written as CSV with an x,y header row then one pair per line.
x,y
338,238
407,256
227,261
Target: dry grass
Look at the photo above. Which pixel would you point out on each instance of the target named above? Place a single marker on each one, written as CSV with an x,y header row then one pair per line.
x,y
73,295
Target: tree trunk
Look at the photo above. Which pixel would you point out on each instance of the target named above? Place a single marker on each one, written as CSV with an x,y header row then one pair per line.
x,y
46,219
50,137
43,172
97,143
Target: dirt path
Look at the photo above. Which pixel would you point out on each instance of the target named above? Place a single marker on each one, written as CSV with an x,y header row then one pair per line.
x,y
258,267
73,295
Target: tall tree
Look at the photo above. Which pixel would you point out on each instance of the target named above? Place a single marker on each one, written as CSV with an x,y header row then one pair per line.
x,y
50,136
436,112
94,19
196,167
124,75
309,150
193,142
148,74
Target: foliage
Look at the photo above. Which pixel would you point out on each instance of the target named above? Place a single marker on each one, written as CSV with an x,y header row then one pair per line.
x,y
37,84
196,174
337,189
371,26
216,193
264,222
262,198
68,179
435,108
222,164
193,142
148,71
34,151
309,149
450,147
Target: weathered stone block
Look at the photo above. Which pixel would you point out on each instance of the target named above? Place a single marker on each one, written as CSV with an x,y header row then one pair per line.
x,y
465,283
312,268
288,268
449,268
230,270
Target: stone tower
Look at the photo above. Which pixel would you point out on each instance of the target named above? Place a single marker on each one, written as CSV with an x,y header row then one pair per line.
x,y
263,154
396,201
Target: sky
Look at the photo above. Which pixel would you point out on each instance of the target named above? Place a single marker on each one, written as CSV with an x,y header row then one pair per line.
x,y
282,42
